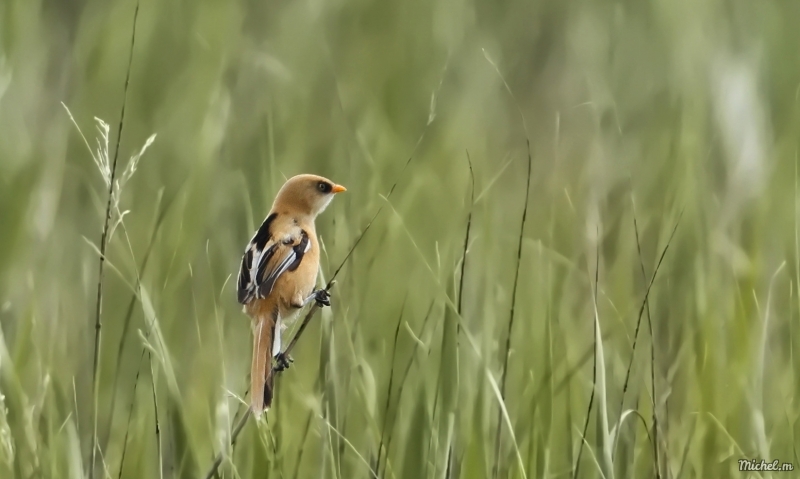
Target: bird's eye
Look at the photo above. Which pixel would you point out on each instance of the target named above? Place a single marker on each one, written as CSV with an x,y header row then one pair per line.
x,y
324,187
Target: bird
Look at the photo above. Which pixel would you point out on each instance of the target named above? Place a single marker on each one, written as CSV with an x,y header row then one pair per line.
x,y
278,274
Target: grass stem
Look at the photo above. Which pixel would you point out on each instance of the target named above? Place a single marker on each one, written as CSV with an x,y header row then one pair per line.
x,y
103,244
510,330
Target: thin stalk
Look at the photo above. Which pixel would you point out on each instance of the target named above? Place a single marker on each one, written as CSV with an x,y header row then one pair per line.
x,y
594,368
519,255
466,241
449,464
504,373
153,380
449,470
103,243
435,410
130,415
652,341
403,381
644,307
389,389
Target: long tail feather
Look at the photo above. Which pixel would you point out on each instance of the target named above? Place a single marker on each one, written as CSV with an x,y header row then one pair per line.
x,y
261,368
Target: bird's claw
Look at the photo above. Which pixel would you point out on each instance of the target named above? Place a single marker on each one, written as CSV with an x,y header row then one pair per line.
x,y
282,362
322,297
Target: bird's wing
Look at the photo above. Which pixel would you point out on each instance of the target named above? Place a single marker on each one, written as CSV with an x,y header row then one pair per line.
x,y
267,257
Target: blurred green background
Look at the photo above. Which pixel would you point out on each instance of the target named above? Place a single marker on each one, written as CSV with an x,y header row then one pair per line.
x,y
634,110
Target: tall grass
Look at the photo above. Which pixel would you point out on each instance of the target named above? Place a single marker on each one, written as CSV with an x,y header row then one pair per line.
x,y
110,175
618,358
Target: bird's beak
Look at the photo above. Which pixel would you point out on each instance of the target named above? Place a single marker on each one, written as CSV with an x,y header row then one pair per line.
x,y
338,188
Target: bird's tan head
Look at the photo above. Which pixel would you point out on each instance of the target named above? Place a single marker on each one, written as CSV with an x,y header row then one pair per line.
x,y
306,194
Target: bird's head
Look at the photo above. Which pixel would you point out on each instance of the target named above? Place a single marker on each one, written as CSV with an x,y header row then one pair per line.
x,y
306,194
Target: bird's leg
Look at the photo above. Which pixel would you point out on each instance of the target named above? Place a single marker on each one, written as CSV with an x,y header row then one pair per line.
x,y
282,362
321,296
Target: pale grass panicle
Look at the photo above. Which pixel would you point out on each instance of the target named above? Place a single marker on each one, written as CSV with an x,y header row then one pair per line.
x,y
102,161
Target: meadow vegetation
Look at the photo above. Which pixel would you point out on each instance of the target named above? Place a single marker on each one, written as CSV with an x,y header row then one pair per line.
x,y
582,257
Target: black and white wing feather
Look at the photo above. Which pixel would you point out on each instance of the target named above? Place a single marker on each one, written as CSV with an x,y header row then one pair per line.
x,y
267,257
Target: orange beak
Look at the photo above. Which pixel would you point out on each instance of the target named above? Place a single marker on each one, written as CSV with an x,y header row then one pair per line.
x,y
338,188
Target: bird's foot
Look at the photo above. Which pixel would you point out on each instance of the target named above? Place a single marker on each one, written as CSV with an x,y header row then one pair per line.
x,y
282,362
322,297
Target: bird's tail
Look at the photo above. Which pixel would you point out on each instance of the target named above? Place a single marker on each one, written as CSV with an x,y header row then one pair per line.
x,y
261,379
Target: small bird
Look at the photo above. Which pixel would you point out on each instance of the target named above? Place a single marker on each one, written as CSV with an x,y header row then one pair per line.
x,y
278,274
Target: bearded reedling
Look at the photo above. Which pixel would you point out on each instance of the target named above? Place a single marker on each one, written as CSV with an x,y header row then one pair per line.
x,y
278,274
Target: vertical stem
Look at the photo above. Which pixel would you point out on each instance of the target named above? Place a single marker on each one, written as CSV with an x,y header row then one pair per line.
x,y
103,243
511,314
594,367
